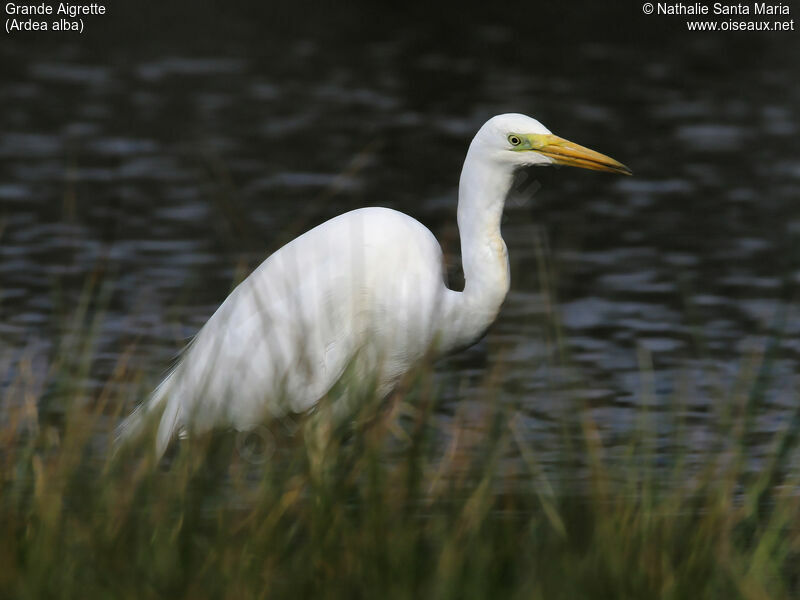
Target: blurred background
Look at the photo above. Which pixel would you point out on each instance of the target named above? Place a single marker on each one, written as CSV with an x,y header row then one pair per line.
x,y
172,146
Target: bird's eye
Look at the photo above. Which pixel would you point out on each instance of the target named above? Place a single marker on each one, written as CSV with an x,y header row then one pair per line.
x,y
514,140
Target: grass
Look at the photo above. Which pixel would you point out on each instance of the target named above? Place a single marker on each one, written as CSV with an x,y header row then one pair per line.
x,y
401,505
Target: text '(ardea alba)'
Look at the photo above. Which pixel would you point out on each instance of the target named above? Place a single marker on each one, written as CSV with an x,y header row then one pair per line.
x,y
363,291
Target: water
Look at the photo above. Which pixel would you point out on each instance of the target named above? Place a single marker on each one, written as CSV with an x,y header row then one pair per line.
x,y
174,156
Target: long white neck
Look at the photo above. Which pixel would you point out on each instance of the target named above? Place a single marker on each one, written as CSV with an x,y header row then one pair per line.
x,y
481,195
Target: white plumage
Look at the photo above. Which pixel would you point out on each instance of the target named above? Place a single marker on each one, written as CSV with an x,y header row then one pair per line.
x,y
364,290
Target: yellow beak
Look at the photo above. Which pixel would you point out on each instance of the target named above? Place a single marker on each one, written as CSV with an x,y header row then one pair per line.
x,y
564,152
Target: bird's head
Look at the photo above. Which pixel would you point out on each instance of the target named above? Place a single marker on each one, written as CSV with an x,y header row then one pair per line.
x,y
518,140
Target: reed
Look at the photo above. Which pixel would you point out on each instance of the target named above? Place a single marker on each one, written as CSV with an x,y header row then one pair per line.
x,y
391,501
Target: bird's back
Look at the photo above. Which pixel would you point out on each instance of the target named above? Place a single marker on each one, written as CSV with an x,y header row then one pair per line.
x,y
361,290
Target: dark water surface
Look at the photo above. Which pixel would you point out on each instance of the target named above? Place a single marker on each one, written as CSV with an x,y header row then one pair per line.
x,y
172,154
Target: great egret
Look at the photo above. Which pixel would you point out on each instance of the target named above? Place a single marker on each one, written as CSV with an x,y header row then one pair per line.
x,y
365,290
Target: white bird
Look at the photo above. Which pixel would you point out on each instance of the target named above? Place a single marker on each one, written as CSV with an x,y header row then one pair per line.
x,y
365,290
